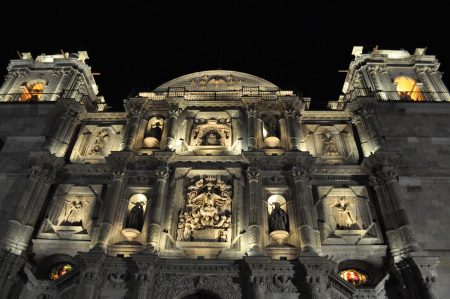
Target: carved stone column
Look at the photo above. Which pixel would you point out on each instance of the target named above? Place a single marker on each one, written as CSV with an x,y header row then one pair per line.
x,y
427,267
171,126
388,174
105,230
424,75
134,118
368,112
375,74
6,87
291,125
394,238
305,207
254,229
89,274
10,265
41,176
366,145
153,216
441,89
251,118
317,271
63,127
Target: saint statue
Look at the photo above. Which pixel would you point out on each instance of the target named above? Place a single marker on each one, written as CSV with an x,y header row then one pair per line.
x,y
344,215
155,131
211,138
135,217
278,218
329,145
73,213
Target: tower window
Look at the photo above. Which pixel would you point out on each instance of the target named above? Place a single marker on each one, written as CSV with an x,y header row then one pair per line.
x,y
408,89
32,91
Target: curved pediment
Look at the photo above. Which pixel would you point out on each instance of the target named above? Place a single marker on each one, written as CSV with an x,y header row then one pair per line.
x,y
217,80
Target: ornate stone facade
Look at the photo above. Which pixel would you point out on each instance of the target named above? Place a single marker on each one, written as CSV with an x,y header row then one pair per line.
x,y
218,184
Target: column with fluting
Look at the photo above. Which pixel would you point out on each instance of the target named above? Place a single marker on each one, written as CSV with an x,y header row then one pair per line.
x,y
105,229
171,126
291,126
251,119
389,176
153,216
303,198
134,118
254,233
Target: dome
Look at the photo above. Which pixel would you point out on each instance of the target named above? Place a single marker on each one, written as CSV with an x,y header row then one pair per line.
x,y
217,80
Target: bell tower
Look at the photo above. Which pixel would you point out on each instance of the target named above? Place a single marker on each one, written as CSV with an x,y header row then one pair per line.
x,y
49,78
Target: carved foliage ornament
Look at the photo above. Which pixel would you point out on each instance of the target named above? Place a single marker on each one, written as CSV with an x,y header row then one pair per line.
x,y
211,132
208,208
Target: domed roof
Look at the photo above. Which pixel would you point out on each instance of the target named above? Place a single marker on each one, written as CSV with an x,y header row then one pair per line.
x,y
217,80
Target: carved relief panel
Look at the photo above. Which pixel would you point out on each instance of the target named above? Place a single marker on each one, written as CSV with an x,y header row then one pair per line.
x,y
70,216
346,216
331,144
207,212
210,133
94,143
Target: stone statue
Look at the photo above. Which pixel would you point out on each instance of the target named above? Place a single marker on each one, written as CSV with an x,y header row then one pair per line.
x,y
212,138
155,131
73,213
329,145
270,124
344,215
135,217
278,218
100,142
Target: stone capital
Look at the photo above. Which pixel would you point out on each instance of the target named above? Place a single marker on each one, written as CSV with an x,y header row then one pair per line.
x,y
253,175
162,173
300,173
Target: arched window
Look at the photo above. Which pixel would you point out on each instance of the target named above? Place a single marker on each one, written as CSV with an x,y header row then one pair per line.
x,y
408,89
32,91
353,276
59,270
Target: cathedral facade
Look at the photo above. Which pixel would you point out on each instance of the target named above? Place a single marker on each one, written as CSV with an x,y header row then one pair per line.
x,y
218,184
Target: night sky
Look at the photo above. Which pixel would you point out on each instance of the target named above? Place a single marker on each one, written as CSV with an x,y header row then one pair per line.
x,y
138,45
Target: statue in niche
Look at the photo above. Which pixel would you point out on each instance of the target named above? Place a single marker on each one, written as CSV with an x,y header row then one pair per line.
x,y
329,144
155,131
100,142
211,132
212,137
208,209
135,217
73,212
271,127
278,218
344,215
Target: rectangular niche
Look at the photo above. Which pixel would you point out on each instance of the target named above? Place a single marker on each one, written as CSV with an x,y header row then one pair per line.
x,y
347,216
331,144
71,213
95,142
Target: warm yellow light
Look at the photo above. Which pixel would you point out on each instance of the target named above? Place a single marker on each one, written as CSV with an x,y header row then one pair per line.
x,y
264,132
32,91
407,88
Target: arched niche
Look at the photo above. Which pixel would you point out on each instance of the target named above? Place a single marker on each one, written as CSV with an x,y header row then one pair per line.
x,y
408,89
271,131
153,132
52,263
134,219
360,273
32,90
278,219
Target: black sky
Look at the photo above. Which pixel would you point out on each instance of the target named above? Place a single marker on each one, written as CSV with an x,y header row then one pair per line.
x,y
138,45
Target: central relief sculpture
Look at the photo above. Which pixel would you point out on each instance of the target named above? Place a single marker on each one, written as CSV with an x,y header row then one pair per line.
x,y
212,136
207,214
